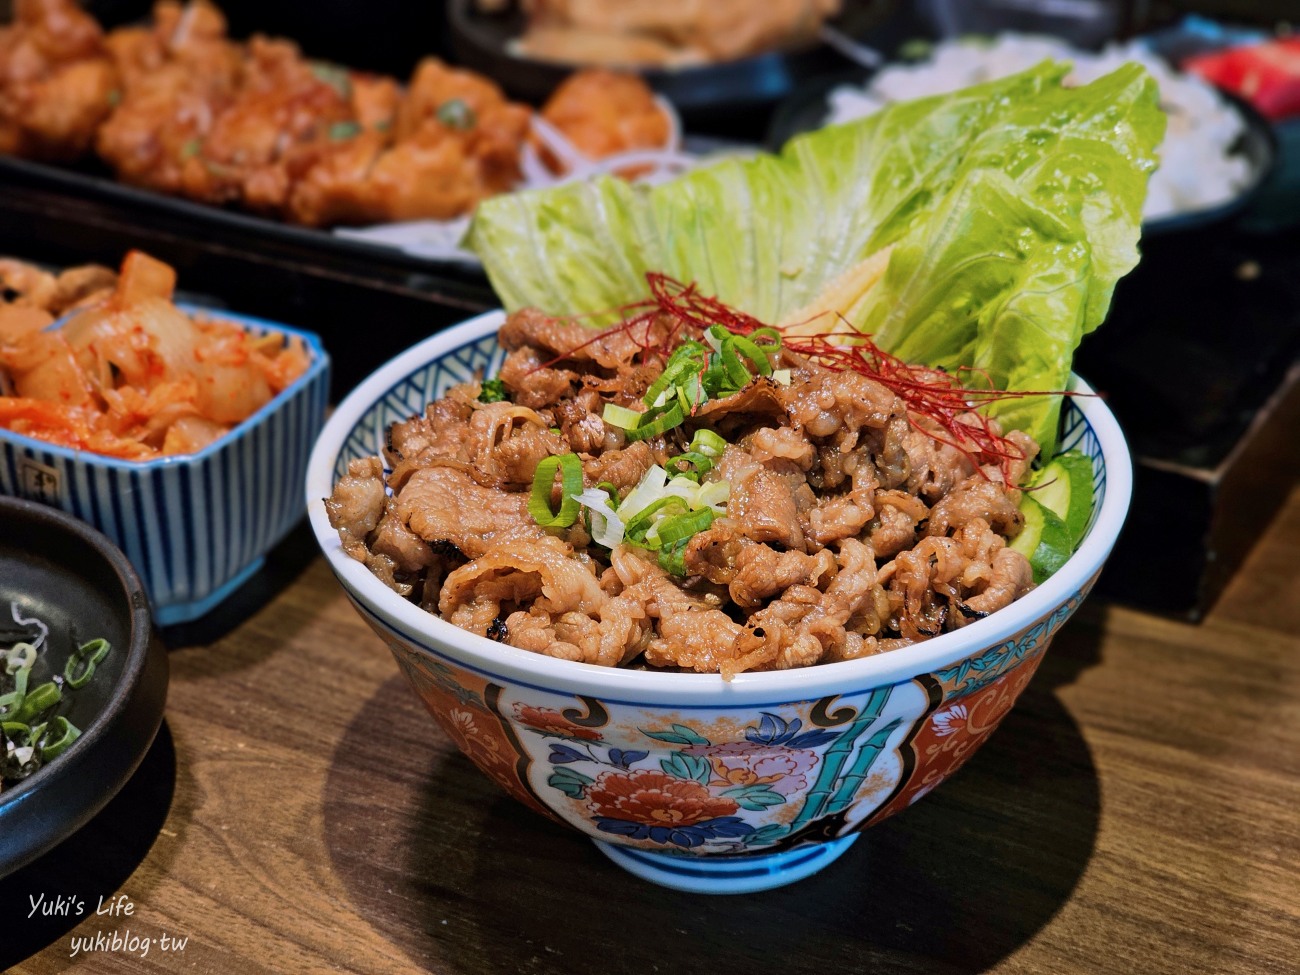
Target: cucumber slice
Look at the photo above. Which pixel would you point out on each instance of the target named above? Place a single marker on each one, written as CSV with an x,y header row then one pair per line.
x,y
1066,490
1044,540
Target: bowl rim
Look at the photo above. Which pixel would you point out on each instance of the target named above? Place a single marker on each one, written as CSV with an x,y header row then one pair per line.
x,y
1257,143
320,361
522,666
139,696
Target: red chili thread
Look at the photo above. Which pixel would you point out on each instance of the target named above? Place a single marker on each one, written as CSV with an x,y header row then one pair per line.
x,y
929,393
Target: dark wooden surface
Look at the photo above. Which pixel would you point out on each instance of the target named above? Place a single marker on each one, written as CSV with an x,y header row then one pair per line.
x,y
1139,811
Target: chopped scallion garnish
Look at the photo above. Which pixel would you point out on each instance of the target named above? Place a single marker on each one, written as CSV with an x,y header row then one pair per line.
x,y
81,664
30,732
661,513
621,416
708,443
539,502
660,422
455,113
677,528
492,391
342,131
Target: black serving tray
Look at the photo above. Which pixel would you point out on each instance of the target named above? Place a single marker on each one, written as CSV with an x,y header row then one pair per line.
x,y
1200,361
368,302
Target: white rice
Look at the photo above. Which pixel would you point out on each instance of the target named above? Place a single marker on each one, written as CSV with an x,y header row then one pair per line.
x,y
1198,169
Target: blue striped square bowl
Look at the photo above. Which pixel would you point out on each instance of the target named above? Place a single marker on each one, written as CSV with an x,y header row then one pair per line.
x,y
195,526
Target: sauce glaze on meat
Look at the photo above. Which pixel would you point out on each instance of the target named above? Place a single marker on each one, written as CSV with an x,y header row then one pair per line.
x,y
848,531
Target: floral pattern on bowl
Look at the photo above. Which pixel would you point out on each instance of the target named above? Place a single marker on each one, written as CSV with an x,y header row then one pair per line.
x,y
726,781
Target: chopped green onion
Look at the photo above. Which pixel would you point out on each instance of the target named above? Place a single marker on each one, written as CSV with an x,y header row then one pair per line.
x,y
714,494
692,394
646,490
737,376
56,739
699,464
707,443
663,422
30,734
456,114
605,526
19,656
753,353
492,391
688,359
686,488
660,513
681,527
539,502
38,701
640,528
772,345
621,416
12,702
672,558
81,665
342,131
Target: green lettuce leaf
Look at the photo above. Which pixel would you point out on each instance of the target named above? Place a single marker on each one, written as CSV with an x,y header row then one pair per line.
x,y
1014,207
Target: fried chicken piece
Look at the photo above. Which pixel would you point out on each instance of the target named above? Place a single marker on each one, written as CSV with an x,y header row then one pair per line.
x,y
285,112
223,122
178,76
57,82
446,103
178,107
604,112
192,35
455,140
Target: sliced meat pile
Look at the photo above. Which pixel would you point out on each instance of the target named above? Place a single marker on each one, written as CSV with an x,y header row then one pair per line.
x,y
851,527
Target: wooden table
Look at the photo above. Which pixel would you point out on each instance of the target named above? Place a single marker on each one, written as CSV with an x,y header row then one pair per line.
x,y
1139,812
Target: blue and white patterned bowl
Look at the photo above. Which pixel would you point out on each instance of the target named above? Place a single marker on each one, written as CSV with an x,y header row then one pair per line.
x,y
686,779
195,526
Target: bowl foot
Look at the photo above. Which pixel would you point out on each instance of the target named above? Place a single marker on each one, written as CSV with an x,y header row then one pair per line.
x,y
742,874
175,613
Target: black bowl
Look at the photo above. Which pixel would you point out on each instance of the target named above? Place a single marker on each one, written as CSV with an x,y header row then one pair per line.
x,y
805,109
72,577
1258,146
702,93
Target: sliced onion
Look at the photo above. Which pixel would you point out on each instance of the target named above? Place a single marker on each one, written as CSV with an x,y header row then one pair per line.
x,y
606,526
647,489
